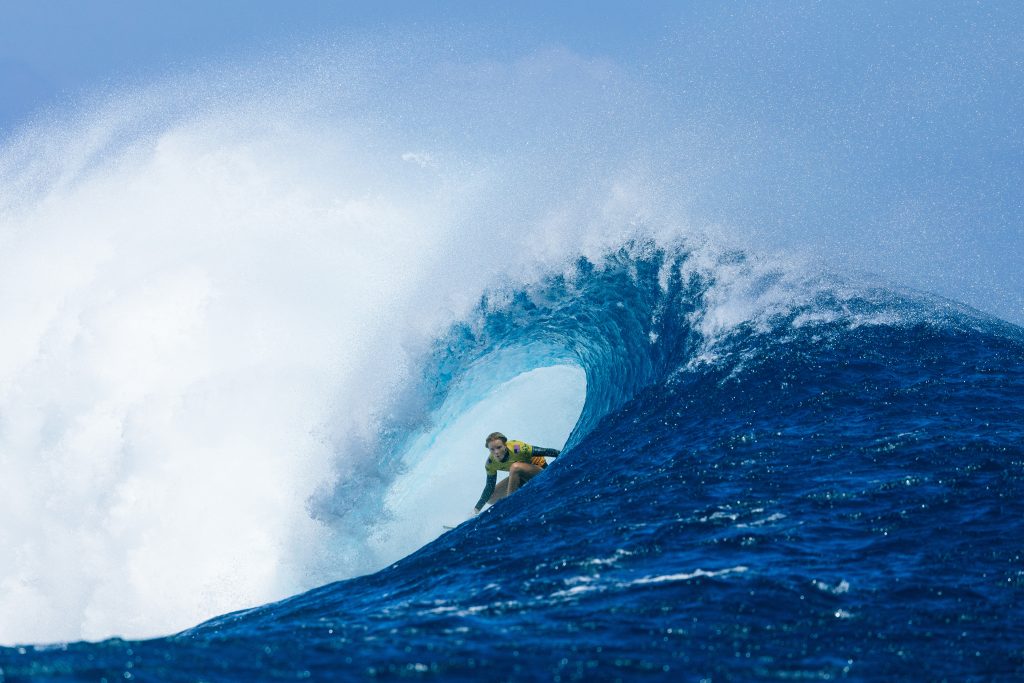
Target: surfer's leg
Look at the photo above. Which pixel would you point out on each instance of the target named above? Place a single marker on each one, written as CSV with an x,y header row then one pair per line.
x,y
519,474
500,491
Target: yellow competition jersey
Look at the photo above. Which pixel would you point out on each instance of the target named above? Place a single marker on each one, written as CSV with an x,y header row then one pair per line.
x,y
518,451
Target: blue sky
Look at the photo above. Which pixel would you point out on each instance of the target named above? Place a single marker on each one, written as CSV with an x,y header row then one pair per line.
x,y
853,130
54,48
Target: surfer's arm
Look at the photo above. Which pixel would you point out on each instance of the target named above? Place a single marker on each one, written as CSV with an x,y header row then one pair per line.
x,y
492,480
546,452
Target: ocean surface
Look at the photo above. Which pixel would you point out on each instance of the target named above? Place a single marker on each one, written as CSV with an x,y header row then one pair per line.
x,y
829,490
755,270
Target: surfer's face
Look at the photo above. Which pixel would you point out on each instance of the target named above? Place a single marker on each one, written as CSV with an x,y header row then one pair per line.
x,y
498,450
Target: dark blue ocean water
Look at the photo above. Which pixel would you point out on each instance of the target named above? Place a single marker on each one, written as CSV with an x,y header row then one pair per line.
x,y
830,488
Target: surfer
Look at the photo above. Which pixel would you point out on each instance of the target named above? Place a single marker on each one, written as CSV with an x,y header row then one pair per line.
x,y
521,460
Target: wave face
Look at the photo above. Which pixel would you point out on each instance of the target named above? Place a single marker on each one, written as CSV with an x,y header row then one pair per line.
x,y
770,478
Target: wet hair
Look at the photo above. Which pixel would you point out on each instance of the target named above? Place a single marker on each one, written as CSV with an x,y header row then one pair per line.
x,y
495,435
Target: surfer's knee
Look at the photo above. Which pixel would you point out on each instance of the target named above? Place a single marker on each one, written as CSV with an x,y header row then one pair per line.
x,y
518,469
